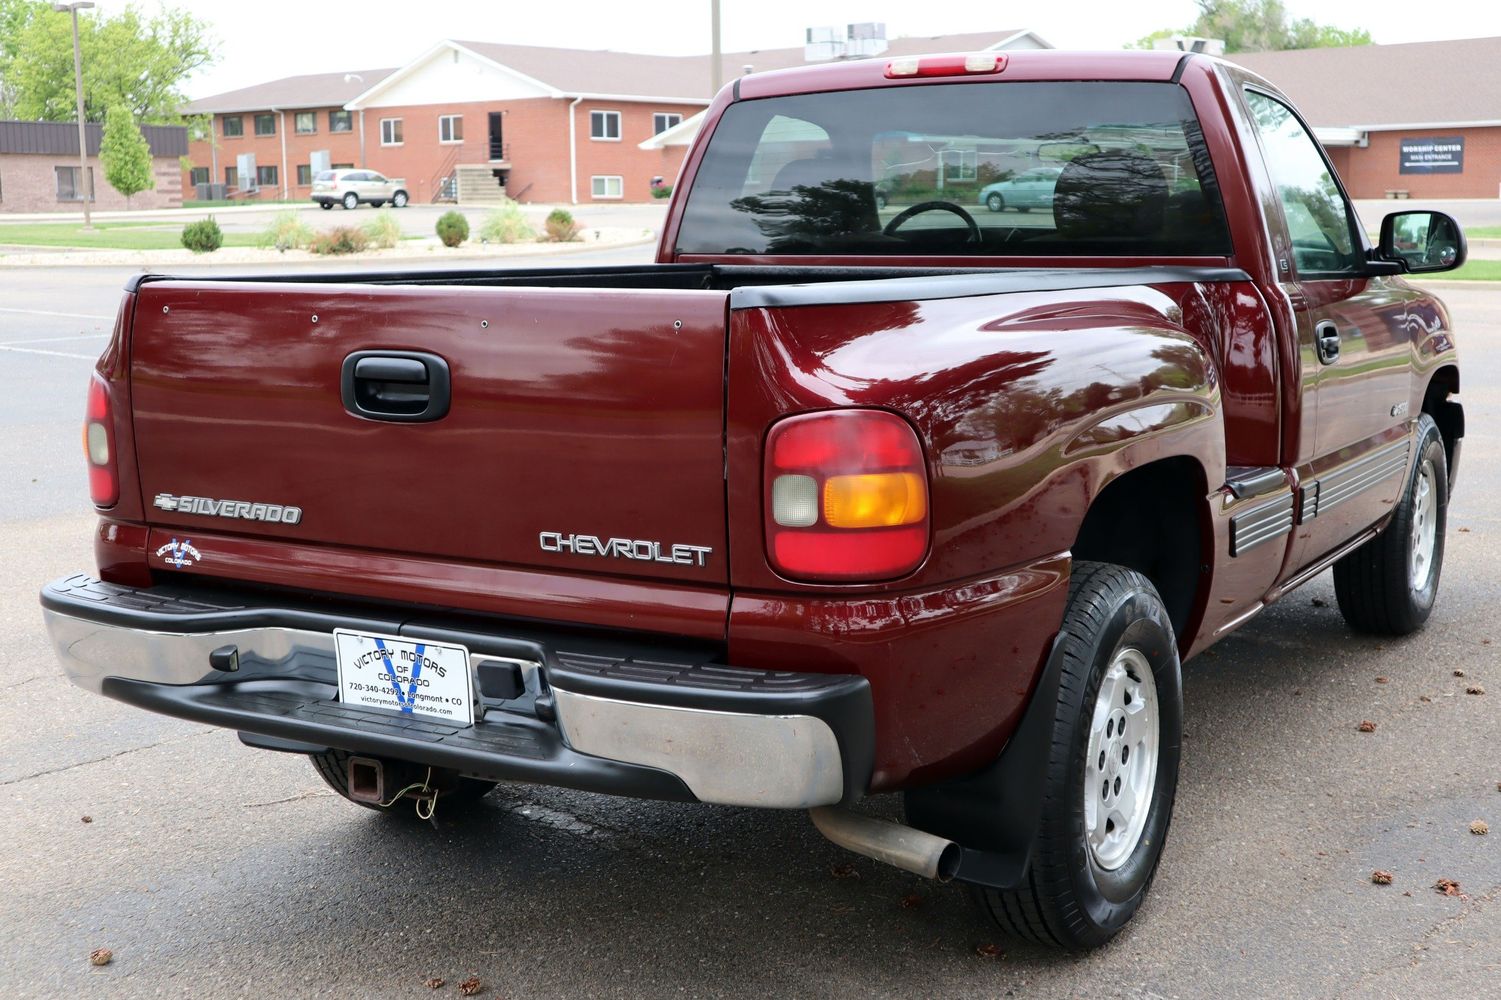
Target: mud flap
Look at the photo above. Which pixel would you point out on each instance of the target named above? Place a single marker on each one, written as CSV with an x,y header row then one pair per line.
x,y
994,813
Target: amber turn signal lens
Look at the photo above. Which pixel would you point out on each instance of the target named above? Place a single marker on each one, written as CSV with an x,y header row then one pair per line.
x,y
874,500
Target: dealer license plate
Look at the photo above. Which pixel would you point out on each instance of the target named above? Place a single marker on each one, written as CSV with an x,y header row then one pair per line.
x,y
429,679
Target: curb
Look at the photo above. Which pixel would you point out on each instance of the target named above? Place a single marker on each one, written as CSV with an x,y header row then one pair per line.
x,y
59,258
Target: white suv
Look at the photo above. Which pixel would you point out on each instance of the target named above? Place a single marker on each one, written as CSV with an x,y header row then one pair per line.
x,y
350,187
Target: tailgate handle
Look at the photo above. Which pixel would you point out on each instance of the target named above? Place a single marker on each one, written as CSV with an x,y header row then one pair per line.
x,y
401,386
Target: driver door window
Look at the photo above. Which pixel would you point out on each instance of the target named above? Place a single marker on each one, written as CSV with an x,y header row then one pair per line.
x,y
1319,219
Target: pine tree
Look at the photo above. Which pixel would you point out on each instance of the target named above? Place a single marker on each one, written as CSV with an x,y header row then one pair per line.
x,y
125,154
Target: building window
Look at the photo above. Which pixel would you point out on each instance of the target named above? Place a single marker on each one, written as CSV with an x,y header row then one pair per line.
x,y
390,132
265,124
231,177
340,121
661,122
609,186
342,166
234,126
604,125
306,122
266,176
451,128
68,188
304,174
199,175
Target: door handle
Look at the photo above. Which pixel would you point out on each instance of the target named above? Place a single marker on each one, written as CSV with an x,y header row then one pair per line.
x,y
400,386
1326,342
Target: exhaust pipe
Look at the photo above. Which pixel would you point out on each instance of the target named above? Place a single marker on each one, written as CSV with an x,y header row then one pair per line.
x,y
906,848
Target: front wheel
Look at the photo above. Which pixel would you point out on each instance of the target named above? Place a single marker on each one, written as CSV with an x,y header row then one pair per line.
x,y
1112,775
399,200
1388,586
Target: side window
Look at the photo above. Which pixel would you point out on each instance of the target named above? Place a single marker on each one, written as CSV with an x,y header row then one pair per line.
x,y
1319,219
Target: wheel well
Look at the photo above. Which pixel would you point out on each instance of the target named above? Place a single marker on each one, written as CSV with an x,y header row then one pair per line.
x,y
1449,416
1152,519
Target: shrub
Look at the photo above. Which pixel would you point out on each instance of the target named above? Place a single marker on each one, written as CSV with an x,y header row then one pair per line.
x,y
203,236
383,230
287,232
506,225
662,191
453,228
339,240
560,226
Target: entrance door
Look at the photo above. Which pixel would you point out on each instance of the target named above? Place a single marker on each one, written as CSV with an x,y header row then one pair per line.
x,y
497,140
1355,346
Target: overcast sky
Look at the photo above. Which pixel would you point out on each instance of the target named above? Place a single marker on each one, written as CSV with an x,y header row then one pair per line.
x,y
266,39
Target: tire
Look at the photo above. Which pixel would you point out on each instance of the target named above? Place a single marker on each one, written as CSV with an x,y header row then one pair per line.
x,y
377,204
1389,585
325,205
995,202
453,790
351,201
880,200
1024,209
1077,894
399,200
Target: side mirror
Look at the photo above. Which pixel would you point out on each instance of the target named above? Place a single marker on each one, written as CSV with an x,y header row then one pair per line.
x,y
1423,242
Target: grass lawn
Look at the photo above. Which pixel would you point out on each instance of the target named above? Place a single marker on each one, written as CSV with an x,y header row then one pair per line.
x,y
1474,270
107,236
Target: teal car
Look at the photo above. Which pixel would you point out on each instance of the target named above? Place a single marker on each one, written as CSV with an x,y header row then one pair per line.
x,y
1024,192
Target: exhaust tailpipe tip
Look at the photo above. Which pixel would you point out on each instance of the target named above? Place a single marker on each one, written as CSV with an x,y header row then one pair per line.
x,y
904,847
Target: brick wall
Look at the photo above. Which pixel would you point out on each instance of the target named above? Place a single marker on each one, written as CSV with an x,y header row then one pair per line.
x,y
1372,171
28,183
535,135
343,147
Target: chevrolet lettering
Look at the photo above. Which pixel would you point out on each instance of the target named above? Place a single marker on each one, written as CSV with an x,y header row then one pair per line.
x,y
962,492
625,548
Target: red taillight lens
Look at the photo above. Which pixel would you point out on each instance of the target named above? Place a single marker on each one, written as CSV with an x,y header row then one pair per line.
x,y
846,497
99,446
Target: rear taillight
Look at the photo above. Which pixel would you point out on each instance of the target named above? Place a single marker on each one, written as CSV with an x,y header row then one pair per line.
x,y
846,497
99,446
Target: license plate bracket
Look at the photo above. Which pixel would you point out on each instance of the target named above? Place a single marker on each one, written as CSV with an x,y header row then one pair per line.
x,y
415,677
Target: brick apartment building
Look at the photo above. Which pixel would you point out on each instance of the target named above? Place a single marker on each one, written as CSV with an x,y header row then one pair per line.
x,y
476,119
39,170
1390,127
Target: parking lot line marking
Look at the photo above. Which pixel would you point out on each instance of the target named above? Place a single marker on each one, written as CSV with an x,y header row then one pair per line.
x,y
50,354
54,340
44,312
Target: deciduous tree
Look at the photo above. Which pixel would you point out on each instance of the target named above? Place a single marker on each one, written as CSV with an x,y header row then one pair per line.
x,y
1259,26
125,154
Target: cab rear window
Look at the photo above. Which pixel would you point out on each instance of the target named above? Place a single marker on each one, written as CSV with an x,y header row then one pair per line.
x,y
1024,169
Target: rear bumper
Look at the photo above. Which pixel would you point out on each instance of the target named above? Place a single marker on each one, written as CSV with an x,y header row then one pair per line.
x,y
619,716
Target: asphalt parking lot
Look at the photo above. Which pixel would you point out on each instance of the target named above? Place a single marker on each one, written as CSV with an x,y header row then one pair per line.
x,y
212,870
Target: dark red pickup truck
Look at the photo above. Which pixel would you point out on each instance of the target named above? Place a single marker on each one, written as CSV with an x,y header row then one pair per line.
x,y
873,483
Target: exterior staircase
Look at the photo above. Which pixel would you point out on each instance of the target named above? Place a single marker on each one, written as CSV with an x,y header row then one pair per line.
x,y
477,184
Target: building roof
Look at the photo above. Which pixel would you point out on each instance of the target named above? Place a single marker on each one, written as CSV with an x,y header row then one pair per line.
x,y
579,71
314,90
61,138
1376,87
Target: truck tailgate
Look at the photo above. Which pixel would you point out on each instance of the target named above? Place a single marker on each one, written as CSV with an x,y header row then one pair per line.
x,y
584,433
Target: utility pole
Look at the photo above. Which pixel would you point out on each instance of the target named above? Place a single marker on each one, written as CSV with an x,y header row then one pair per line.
x,y
716,72
83,143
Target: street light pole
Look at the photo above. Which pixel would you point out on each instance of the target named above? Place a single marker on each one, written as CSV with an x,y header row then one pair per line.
x,y
83,146
716,72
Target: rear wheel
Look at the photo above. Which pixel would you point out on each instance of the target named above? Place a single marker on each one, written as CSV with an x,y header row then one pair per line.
x,y
453,790
1388,586
995,202
325,205
1113,772
351,201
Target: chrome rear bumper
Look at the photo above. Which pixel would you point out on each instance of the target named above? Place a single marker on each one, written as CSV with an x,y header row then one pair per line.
x,y
620,719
